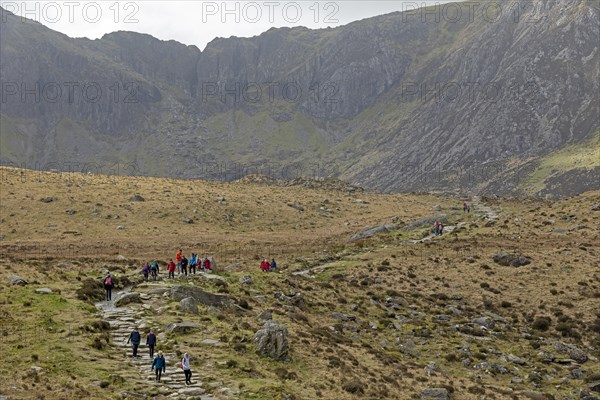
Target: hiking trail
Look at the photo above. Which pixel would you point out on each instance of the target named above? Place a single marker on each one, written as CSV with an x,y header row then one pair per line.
x,y
122,320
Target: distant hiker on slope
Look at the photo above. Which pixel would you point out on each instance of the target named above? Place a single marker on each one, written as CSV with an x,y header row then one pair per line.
x,y
171,268
151,342
154,269
185,366
135,338
273,265
264,265
159,364
108,286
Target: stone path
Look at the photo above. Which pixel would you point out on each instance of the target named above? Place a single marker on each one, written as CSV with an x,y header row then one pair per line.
x,y
122,320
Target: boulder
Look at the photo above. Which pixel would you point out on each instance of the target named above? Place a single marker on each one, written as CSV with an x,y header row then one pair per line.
x,y
265,315
201,296
189,305
182,327
128,298
17,280
435,394
187,220
136,197
272,341
572,351
296,206
43,290
246,280
511,260
367,233
485,321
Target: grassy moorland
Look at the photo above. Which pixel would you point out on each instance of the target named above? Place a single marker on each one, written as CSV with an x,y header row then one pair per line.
x,y
386,317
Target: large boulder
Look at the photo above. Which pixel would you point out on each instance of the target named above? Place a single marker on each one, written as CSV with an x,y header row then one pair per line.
x,y
511,260
202,297
17,280
272,341
182,327
370,232
435,394
572,351
128,298
189,305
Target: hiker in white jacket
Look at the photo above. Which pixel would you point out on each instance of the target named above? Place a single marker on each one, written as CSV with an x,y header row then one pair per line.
x,y
185,365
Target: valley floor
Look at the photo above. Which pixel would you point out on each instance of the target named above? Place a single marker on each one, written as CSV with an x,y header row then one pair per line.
x,y
401,314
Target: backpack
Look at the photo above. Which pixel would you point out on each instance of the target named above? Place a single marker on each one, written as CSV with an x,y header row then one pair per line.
x,y
108,281
154,265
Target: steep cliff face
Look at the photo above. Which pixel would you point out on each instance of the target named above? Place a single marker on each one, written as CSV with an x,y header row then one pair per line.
x,y
396,102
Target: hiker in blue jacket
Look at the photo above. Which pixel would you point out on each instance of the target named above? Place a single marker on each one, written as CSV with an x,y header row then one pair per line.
x,y
159,365
135,338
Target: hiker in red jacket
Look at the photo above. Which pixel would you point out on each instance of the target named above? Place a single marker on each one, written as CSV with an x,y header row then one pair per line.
x,y
207,266
264,265
171,268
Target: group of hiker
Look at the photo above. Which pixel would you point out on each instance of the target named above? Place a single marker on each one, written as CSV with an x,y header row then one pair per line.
x,y
159,363
183,266
266,266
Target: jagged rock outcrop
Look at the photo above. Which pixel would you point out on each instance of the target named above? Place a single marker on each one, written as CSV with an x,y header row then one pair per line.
x,y
390,102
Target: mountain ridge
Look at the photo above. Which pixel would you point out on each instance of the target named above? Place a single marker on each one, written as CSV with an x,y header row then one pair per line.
x,y
372,100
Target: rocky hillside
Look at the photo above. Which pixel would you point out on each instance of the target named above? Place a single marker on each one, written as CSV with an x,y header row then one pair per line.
x,y
398,102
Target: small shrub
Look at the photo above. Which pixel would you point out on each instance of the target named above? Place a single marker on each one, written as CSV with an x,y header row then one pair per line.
x,y
354,386
542,323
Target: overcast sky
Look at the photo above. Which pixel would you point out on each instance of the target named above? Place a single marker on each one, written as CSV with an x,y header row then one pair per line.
x,y
198,22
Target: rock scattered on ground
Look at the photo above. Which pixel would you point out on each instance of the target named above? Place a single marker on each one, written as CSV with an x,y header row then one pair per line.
x,y
511,260
272,341
17,280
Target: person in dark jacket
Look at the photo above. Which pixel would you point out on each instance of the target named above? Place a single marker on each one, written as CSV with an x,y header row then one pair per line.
x,y
108,286
184,265
159,364
146,271
154,269
151,342
273,265
135,338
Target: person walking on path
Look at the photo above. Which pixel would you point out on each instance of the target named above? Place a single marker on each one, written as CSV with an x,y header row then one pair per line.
x,y
273,265
146,271
185,365
135,338
193,262
178,259
171,269
108,286
151,342
159,365
207,266
154,269
264,265
184,265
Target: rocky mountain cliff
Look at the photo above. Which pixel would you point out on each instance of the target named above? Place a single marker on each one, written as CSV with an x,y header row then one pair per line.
x,y
503,103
